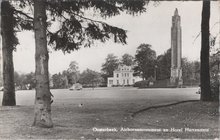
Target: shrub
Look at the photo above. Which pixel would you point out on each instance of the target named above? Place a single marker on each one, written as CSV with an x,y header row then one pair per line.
x,y
141,84
214,88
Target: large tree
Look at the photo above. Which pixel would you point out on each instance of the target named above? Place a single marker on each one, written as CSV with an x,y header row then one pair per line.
x,y
214,75
127,59
145,59
75,31
111,64
43,96
190,73
204,57
58,81
12,21
73,73
24,81
9,41
163,65
90,78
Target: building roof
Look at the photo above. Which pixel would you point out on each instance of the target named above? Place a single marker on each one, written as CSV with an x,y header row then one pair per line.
x,y
124,68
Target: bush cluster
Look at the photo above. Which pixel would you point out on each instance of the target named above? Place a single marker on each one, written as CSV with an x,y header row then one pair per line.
x,y
141,84
214,88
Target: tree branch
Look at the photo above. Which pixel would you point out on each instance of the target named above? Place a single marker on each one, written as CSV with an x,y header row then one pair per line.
x,y
20,12
92,20
196,37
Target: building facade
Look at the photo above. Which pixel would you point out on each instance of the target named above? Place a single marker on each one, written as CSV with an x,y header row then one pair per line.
x,y
176,50
123,76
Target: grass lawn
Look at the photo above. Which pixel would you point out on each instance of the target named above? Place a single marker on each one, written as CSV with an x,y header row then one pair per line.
x,y
111,109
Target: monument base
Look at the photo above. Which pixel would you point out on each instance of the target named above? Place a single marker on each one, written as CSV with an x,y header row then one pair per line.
x,y
176,77
176,82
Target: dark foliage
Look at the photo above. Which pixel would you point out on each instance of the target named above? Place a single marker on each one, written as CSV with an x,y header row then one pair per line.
x,y
127,60
164,65
145,59
90,78
76,29
111,64
190,73
7,9
24,81
59,81
141,84
214,76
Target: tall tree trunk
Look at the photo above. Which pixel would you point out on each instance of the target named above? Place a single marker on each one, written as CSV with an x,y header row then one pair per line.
x,y
43,95
1,62
7,51
204,69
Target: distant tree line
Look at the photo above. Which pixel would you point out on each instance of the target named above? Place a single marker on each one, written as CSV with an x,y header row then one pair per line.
x,y
65,79
24,81
147,64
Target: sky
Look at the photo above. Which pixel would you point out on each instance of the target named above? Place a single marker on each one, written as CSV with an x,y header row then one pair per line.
x,y
152,27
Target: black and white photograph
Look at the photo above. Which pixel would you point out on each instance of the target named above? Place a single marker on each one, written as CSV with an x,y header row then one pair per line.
x,y
109,69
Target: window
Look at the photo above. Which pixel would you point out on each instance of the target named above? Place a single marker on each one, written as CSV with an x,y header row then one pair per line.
x,y
123,82
110,82
117,82
117,75
127,81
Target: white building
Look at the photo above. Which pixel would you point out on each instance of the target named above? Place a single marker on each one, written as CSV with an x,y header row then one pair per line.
x,y
123,76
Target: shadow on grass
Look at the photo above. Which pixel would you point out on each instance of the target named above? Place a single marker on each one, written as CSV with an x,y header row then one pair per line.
x,y
160,106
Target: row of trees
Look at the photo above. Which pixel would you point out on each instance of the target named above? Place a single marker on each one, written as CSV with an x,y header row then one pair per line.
x,y
24,81
67,77
146,64
75,31
88,78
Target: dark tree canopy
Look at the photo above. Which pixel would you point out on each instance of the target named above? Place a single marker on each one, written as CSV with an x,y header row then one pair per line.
x,y
111,64
127,60
145,59
90,78
7,9
190,72
164,65
76,29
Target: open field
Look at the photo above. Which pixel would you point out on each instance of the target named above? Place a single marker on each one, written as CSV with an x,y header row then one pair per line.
x,y
112,108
